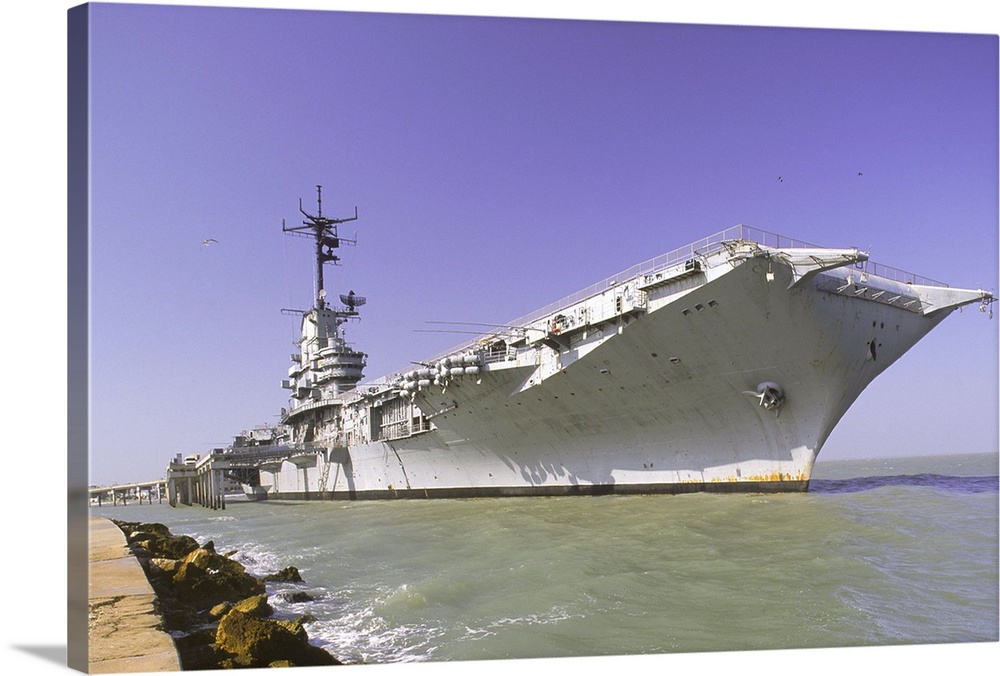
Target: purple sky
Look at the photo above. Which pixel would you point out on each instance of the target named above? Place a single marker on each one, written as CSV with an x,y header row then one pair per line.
x,y
498,165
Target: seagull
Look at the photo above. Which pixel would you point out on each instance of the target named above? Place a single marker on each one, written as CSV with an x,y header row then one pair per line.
x,y
780,180
209,241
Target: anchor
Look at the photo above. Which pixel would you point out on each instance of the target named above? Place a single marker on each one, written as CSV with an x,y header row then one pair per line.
x,y
770,396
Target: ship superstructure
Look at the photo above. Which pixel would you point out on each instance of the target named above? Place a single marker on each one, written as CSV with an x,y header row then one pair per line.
x,y
723,365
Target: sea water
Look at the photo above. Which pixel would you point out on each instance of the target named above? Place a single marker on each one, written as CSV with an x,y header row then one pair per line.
x,y
878,552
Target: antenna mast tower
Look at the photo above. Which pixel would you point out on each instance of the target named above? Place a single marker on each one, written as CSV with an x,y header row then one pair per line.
x,y
324,231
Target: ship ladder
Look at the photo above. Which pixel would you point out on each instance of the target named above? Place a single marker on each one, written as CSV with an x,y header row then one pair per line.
x,y
325,475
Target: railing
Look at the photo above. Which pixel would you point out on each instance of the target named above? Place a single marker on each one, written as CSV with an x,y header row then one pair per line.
x,y
698,249
403,429
897,275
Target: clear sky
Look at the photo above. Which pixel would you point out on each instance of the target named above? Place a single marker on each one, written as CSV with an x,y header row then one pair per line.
x,y
498,164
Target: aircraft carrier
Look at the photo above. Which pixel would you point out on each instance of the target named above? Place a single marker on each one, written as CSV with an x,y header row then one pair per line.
x,y
723,365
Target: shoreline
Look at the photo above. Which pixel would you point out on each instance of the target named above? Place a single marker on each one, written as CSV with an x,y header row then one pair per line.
x,y
214,613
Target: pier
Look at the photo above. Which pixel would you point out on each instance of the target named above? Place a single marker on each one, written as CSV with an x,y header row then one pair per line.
x,y
122,494
206,480
198,480
124,627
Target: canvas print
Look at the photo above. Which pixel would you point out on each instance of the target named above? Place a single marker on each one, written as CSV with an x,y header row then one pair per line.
x,y
436,339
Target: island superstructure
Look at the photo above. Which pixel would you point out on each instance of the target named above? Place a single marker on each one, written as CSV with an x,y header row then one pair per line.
x,y
723,365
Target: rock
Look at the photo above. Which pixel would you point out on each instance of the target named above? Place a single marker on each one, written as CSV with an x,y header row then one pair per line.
x,y
295,597
143,531
255,606
295,626
195,585
159,566
157,540
200,558
255,643
204,579
290,574
176,546
198,651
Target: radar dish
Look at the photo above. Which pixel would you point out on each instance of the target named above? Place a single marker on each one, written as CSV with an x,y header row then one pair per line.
x,y
352,301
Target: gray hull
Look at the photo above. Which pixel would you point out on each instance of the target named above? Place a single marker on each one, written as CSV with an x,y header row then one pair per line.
x,y
727,376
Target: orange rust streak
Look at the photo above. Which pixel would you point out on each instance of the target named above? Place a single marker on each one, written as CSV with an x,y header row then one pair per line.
x,y
772,477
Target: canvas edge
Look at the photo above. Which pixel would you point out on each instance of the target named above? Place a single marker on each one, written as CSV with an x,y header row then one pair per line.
x,y
78,348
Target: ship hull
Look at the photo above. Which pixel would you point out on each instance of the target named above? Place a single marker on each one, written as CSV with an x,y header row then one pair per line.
x,y
660,401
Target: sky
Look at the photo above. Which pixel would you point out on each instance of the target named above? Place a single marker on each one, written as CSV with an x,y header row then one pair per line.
x,y
497,165
494,170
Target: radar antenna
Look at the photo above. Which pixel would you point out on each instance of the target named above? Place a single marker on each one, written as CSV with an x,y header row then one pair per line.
x,y
352,301
324,231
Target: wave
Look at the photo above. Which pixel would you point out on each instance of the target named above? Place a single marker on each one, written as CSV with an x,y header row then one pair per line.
x,y
952,484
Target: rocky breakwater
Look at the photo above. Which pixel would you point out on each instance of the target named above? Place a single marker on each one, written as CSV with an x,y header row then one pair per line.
x,y
217,612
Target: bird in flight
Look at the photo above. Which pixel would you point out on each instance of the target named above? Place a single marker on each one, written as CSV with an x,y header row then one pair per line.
x,y
209,241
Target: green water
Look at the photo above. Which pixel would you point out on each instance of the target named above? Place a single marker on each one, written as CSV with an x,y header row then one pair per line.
x,y
877,553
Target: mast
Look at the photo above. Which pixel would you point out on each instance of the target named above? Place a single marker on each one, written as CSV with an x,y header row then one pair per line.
x,y
324,231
